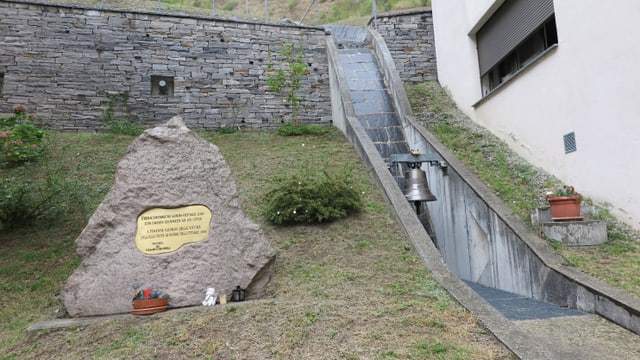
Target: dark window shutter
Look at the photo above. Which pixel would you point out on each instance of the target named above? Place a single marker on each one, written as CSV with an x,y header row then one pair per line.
x,y
508,27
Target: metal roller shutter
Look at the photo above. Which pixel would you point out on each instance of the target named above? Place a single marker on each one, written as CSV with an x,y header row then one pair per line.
x,y
508,27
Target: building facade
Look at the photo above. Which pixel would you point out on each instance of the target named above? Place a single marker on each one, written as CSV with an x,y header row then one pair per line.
x,y
557,80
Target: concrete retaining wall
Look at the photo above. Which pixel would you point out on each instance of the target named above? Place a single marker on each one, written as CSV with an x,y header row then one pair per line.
x,y
409,37
68,64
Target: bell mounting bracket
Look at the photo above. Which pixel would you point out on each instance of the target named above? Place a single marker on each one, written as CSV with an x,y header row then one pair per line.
x,y
414,161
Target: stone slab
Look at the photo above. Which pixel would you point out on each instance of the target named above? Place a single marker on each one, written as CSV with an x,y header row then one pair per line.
x,y
576,233
167,167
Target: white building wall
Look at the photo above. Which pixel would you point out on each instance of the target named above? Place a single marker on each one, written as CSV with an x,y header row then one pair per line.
x,y
589,84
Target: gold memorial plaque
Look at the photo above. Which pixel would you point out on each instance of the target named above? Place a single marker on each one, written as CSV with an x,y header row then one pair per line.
x,y
166,230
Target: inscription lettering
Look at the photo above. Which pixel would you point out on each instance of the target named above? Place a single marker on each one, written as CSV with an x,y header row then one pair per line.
x,y
165,230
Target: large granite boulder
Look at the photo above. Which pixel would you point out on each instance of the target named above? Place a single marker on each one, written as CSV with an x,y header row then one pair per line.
x,y
172,221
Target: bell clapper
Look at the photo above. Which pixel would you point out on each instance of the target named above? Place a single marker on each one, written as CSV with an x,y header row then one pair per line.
x,y
417,203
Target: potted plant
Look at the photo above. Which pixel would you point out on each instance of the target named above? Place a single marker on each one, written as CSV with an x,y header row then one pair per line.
x,y
565,204
149,301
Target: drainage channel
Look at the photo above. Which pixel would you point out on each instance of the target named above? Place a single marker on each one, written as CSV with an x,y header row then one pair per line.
x,y
517,307
371,102
532,329
374,109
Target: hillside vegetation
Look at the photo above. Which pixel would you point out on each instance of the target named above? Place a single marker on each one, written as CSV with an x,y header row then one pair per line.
x,y
354,12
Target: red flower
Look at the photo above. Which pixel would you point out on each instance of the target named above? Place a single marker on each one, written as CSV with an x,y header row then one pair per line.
x,y
146,293
19,109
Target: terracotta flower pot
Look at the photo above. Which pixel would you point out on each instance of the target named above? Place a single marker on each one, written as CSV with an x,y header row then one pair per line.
x,y
565,207
149,306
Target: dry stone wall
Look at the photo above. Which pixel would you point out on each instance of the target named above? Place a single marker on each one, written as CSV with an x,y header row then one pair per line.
x,y
68,64
409,37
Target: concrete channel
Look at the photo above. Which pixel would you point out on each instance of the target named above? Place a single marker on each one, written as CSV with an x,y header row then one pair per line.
x,y
484,256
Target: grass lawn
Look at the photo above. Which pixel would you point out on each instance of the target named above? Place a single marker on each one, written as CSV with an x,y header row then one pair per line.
x,y
350,289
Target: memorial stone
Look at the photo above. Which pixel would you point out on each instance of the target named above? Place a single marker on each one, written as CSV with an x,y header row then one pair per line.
x,y
172,221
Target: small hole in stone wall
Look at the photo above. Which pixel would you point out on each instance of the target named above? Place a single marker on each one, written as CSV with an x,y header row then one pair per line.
x,y
250,62
1,82
161,85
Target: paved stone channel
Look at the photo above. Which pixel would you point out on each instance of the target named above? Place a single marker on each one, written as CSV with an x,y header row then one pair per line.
x,y
371,101
567,333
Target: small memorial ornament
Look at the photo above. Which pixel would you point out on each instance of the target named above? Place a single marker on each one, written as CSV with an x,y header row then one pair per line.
x,y
238,294
149,301
210,297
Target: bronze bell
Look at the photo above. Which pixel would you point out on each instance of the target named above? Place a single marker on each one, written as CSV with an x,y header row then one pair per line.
x,y
416,188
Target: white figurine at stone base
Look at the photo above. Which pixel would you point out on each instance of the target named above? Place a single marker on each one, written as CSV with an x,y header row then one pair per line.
x,y
210,298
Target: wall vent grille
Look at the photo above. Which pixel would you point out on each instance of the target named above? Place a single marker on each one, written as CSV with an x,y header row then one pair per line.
x,y
570,142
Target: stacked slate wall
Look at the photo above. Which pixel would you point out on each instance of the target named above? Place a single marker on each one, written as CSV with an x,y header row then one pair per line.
x,y
409,37
69,64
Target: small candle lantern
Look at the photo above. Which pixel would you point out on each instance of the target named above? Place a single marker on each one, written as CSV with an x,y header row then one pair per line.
x,y
238,294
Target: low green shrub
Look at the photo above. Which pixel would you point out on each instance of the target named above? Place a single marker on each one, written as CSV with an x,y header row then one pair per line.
x,y
230,5
312,196
24,200
342,9
292,129
20,139
285,78
228,130
116,124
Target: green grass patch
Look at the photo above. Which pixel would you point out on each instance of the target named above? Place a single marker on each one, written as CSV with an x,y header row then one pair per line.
x,y
329,292
489,158
522,187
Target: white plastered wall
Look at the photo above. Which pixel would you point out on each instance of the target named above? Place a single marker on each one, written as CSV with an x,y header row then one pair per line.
x,y
589,84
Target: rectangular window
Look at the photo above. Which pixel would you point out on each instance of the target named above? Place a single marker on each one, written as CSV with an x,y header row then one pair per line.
x,y
1,82
512,38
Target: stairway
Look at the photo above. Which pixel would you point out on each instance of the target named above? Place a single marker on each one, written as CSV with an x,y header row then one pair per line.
x,y
370,95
